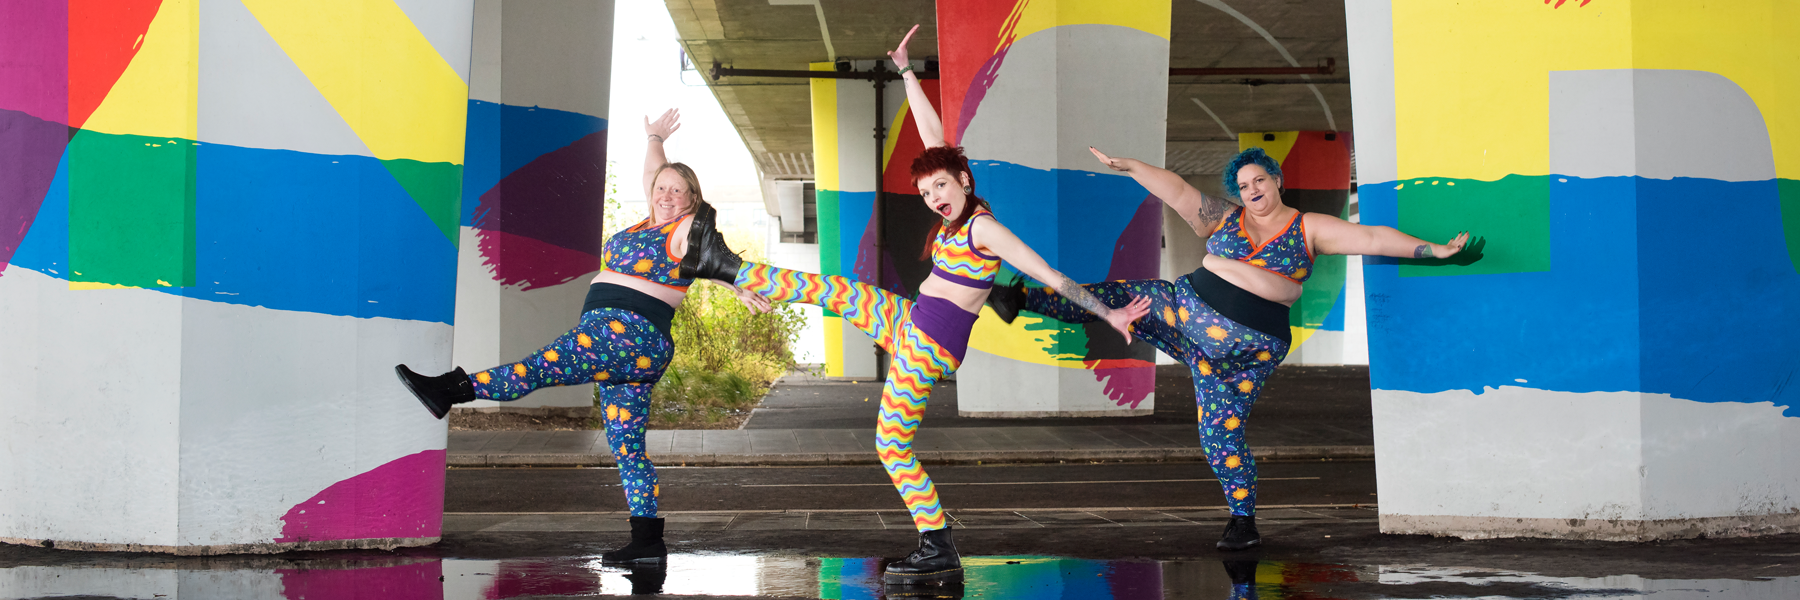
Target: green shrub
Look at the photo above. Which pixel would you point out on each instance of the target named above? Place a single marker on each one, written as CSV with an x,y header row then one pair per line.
x,y
725,358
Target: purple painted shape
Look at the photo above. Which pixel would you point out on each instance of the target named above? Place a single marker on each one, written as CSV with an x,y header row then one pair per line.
x,y
34,49
556,199
864,270
1136,255
30,149
978,89
401,499
414,581
1135,580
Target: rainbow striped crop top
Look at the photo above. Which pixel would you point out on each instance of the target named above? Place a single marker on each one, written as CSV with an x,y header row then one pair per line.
x,y
1285,255
955,258
643,251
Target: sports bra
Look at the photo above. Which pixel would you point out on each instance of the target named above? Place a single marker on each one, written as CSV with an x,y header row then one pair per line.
x,y
1285,255
954,257
642,251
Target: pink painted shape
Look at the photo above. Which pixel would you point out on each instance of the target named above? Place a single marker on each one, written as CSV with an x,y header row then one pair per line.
x,y
1128,380
416,581
978,89
34,47
537,578
401,499
529,262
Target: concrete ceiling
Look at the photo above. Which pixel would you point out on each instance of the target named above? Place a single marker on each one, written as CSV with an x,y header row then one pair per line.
x,y
774,115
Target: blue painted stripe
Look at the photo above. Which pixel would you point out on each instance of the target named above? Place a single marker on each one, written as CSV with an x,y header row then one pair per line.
x,y
503,137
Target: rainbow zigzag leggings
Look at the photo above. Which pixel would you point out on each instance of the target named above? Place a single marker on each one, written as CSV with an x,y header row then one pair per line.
x,y
624,356
917,364
1229,363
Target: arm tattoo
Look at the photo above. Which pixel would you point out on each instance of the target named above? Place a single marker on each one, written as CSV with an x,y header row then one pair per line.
x,y
1080,296
1211,211
1422,251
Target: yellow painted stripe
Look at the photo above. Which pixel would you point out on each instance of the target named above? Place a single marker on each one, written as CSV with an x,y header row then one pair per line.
x,y
887,151
158,93
383,77
825,134
1019,341
1300,335
1277,149
834,345
95,285
1149,16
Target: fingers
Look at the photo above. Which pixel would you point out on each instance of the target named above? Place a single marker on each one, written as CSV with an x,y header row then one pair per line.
x,y
908,38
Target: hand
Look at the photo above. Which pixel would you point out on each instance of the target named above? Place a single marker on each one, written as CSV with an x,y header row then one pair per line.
x,y
1121,318
899,54
1117,164
1450,249
665,125
757,303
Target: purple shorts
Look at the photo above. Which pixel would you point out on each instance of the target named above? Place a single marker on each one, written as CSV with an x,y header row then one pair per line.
x,y
945,322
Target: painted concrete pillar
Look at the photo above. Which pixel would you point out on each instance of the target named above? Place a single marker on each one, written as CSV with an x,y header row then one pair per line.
x,y
1618,362
224,223
1315,168
855,242
534,189
1027,87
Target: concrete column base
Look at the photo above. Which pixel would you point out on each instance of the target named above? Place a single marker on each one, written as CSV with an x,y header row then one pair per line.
x,y
224,549
571,412
1032,414
1609,530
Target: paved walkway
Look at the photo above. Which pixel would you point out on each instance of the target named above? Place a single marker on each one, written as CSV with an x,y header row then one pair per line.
x,y
1207,517
1304,413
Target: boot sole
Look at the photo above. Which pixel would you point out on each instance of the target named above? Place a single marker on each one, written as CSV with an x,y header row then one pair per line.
x,y
398,372
932,578
1253,543
645,561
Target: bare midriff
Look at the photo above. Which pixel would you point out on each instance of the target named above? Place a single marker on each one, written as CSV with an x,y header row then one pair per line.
x,y
1253,279
660,292
964,297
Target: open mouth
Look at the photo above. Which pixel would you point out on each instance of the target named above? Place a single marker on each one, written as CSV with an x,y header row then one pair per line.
x,y
944,209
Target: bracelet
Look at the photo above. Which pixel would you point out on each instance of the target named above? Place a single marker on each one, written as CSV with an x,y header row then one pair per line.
x,y
903,70
656,137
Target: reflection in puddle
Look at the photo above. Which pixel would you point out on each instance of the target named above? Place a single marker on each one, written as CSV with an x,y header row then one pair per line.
x,y
1011,577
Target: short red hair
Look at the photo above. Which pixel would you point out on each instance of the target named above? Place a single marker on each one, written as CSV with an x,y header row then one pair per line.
x,y
949,159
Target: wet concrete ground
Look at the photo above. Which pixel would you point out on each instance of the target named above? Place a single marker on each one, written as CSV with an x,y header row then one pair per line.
x,y
1124,531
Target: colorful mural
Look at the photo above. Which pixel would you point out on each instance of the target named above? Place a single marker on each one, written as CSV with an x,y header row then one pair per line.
x,y
1587,144
241,196
1023,92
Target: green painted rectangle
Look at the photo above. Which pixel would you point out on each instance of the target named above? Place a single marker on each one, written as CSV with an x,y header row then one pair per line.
x,y
831,237
1511,215
131,210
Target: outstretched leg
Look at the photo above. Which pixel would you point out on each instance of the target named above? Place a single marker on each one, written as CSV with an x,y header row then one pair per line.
x,y
1162,328
609,346
873,310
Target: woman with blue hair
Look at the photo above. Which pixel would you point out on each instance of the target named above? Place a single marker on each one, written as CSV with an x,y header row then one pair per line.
x,y
1228,320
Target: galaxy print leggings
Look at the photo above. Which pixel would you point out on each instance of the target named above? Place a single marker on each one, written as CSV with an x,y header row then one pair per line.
x,y
1229,363
918,363
624,355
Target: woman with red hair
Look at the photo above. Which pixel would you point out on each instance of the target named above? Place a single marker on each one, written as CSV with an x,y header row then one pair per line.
x,y
926,337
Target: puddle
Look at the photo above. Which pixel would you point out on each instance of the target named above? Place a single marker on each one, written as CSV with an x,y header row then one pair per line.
x,y
1009,577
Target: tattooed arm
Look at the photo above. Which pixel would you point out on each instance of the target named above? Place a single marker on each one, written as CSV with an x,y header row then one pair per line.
x,y
1330,235
1000,241
1202,212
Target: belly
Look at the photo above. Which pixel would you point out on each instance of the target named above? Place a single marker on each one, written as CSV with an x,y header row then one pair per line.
x,y
1255,280
964,297
659,292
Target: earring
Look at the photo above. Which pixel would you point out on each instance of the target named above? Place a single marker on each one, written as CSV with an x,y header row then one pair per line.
x,y
968,190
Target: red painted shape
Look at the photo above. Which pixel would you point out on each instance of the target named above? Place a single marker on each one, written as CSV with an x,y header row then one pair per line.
x,y
1317,164
104,35
896,176
415,581
530,263
969,34
1128,380
401,499
538,578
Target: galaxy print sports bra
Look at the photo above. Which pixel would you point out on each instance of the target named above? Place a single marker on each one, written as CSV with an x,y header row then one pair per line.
x,y
1285,255
954,257
643,251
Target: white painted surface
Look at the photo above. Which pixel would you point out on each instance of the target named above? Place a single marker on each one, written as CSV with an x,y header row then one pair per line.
x,y
1370,31
808,345
447,27
252,95
989,383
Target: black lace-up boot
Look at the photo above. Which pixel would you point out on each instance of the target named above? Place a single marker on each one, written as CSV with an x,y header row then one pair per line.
x,y
439,393
1007,300
646,547
647,579
707,255
934,563
1240,534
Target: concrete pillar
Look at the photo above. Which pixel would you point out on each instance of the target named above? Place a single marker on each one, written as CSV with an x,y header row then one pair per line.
x,y
1315,167
535,185
1026,90
225,222
844,163
1618,363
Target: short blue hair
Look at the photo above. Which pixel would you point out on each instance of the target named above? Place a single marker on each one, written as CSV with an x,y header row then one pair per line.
x,y
1253,156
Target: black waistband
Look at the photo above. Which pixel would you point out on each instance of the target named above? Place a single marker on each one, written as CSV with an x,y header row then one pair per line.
x,y
612,295
1238,304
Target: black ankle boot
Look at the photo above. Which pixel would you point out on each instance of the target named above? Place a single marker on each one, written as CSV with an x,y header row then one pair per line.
x,y
1007,300
647,580
1240,534
934,563
646,547
707,255
1241,572
438,393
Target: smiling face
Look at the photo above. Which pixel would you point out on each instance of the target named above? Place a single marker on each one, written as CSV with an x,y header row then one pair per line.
x,y
943,194
1259,190
670,196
